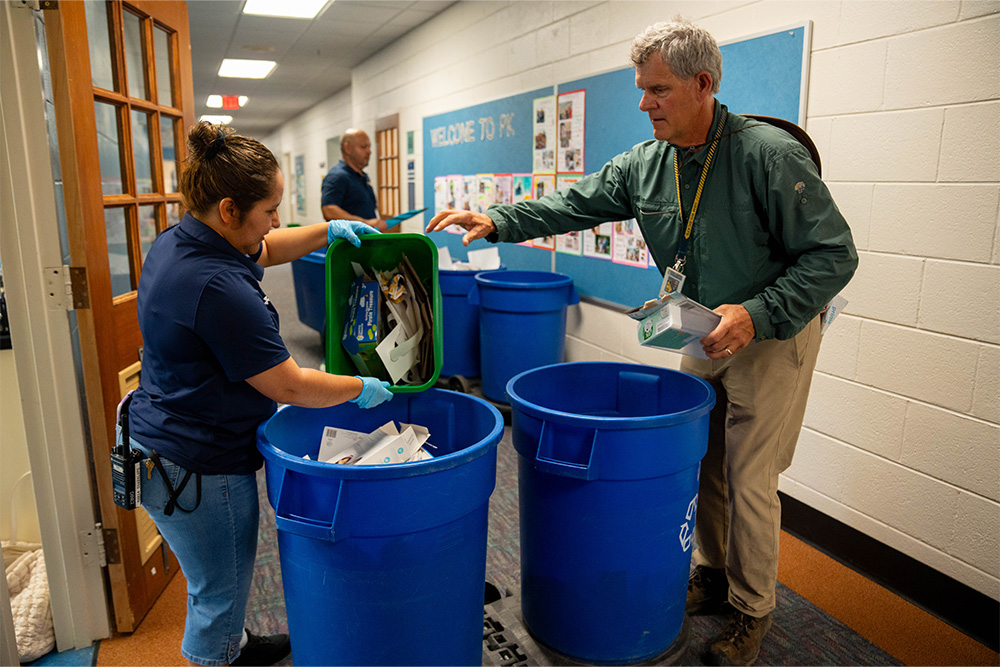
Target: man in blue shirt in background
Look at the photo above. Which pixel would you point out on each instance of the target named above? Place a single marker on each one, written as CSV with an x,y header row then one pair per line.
x,y
347,190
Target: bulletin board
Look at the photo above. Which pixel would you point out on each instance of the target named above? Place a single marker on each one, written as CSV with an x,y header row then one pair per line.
x,y
494,137
764,74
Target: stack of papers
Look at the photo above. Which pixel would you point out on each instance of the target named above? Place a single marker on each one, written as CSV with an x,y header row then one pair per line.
x,y
487,259
385,446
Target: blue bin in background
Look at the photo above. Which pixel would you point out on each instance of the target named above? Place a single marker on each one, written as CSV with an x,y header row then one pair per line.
x,y
608,462
309,276
460,339
384,565
522,323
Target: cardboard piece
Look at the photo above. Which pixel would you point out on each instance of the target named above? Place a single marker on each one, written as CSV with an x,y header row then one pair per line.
x,y
386,445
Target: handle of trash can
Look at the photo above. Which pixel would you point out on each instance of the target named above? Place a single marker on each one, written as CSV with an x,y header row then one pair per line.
x,y
574,296
285,518
474,295
554,466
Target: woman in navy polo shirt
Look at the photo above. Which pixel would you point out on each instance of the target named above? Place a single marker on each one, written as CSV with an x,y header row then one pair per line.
x,y
214,368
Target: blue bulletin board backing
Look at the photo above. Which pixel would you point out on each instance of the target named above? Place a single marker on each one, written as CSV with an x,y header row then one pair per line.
x,y
458,142
763,74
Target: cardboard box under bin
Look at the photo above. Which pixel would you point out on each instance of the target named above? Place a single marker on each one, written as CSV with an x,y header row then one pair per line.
x,y
379,252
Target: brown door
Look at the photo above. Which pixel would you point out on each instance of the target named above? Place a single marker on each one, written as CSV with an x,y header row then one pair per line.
x,y
121,81
387,158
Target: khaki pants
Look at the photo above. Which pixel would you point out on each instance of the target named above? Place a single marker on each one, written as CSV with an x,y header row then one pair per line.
x,y
761,395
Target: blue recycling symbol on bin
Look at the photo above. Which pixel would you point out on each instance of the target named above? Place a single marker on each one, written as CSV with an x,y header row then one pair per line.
x,y
686,530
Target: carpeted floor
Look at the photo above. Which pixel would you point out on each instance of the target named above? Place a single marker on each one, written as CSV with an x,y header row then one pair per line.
x,y
826,614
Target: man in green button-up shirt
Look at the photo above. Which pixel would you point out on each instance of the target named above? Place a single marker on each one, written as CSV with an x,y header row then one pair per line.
x,y
767,250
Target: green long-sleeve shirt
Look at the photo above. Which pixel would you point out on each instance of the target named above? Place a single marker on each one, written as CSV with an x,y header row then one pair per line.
x,y
767,233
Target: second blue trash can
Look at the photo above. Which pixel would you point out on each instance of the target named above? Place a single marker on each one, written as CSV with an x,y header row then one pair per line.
x,y
608,460
522,323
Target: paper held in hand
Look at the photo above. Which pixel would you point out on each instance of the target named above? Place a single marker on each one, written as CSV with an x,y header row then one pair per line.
x,y
674,322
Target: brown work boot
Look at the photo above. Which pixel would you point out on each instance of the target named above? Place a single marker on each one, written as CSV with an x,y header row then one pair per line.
x,y
708,591
739,643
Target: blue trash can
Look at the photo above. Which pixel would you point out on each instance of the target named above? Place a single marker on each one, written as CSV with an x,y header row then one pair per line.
x,y
460,321
522,323
608,461
384,565
309,277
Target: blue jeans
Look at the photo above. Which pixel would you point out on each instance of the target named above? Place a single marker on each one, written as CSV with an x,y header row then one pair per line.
x,y
216,546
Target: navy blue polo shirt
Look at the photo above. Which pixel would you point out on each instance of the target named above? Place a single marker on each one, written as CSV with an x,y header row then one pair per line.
x,y
206,327
351,191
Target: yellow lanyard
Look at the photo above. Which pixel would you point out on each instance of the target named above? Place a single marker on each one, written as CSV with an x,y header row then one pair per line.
x,y
681,258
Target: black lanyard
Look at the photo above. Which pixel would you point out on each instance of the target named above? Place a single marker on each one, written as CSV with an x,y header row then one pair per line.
x,y
681,258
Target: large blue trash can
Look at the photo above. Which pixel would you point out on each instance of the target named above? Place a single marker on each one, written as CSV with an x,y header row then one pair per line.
x,y
384,565
309,278
460,334
522,323
608,461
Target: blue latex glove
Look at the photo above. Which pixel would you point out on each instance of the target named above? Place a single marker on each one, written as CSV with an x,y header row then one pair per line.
x,y
373,392
348,229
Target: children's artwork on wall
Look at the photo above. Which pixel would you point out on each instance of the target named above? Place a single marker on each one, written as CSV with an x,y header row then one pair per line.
x,y
543,136
597,241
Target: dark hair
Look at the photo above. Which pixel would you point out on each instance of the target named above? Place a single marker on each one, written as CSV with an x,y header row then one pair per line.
x,y
220,164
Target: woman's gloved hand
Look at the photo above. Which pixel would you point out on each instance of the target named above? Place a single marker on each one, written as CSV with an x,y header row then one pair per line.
x,y
373,391
348,229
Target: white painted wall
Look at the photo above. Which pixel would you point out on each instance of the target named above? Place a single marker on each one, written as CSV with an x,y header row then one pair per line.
x,y
901,437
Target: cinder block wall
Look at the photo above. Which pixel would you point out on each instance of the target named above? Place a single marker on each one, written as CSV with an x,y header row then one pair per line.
x,y
901,437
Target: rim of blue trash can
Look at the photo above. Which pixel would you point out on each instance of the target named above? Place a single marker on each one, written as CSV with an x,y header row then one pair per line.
x,y
604,422
391,471
509,279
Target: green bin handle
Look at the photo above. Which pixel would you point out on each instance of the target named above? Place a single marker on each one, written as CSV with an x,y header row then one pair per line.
x,y
554,466
317,529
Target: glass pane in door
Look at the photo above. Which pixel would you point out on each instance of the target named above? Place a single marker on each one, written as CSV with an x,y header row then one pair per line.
x,y
108,146
101,71
173,213
118,265
147,228
164,82
133,57
169,154
141,153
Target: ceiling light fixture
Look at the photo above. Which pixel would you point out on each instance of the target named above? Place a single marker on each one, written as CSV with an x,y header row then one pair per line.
x,y
214,102
246,69
292,9
218,120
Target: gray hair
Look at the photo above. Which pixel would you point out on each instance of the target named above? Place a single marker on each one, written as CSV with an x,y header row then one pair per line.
x,y
684,47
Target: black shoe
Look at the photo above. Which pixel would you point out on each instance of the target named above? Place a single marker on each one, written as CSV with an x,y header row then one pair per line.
x,y
263,650
708,591
739,643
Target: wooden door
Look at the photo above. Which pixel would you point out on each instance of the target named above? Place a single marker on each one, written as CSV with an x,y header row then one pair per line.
x,y
387,158
121,81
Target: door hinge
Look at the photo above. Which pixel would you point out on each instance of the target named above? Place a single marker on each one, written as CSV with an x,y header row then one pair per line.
x,y
37,4
109,547
66,287
92,546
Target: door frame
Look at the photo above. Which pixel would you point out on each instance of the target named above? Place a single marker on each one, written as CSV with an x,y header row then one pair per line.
x,y
43,339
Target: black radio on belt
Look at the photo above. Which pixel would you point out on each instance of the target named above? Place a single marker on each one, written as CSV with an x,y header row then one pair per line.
x,y
125,463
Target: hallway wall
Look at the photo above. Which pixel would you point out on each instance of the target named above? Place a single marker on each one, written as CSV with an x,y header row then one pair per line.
x,y
901,434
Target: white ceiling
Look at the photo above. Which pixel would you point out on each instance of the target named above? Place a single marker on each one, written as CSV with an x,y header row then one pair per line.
x,y
314,57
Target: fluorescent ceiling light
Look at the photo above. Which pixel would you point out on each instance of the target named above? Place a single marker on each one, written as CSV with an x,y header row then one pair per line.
x,y
218,120
215,101
246,69
293,9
